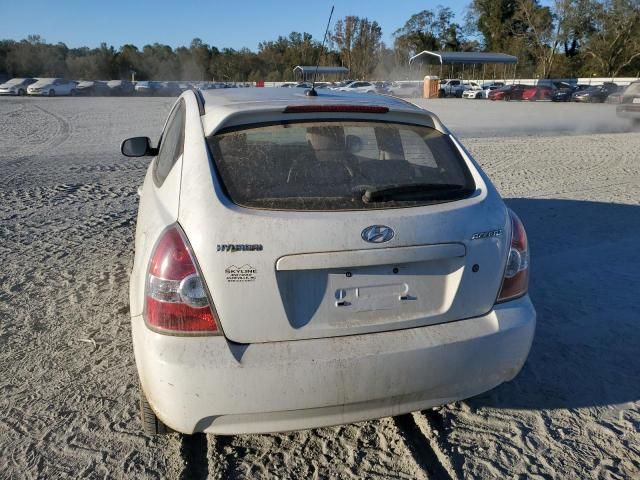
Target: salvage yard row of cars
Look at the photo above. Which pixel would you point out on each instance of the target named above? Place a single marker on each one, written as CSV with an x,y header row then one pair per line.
x,y
53,87
556,91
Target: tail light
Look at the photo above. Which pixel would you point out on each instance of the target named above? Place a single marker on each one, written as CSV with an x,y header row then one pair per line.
x,y
516,274
176,300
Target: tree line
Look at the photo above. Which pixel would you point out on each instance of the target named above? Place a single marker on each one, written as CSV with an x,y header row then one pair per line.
x,y
569,38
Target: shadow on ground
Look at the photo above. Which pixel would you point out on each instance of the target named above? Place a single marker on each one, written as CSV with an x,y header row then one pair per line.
x,y
586,289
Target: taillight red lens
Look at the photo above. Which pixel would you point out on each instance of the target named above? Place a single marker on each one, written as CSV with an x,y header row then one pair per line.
x,y
516,275
176,299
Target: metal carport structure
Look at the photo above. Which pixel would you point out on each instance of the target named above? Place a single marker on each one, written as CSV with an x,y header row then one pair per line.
x,y
464,58
306,72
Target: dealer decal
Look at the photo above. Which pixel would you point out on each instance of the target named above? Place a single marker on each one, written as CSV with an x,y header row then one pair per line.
x,y
245,273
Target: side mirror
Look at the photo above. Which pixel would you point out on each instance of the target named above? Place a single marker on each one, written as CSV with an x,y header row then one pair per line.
x,y
138,147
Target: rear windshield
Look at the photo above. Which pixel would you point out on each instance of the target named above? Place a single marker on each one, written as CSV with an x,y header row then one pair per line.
x,y
633,89
339,165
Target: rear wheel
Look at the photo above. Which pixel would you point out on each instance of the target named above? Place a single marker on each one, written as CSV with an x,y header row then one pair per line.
x,y
52,93
21,92
151,424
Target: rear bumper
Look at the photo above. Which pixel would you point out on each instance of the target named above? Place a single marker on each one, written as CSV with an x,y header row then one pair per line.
x,y
208,384
628,110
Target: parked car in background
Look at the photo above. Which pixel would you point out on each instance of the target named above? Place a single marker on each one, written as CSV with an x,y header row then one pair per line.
x,y
383,87
479,94
16,86
403,287
407,88
359,87
147,88
52,87
340,84
537,92
597,94
182,86
167,89
119,88
92,88
616,96
464,86
563,94
630,103
509,92
449,87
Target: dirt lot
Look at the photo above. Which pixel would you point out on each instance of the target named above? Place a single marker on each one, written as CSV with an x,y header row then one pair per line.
x,y
68,385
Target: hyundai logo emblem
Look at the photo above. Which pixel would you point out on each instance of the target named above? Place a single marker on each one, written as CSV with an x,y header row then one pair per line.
x,y
377,234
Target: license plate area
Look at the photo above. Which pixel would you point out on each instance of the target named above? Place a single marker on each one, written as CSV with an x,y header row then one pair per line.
x,y
369,295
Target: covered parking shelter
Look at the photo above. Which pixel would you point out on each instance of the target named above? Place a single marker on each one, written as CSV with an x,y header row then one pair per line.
x,y
306,72
471,59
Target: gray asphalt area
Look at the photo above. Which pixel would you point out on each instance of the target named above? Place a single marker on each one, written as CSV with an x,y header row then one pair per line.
x,y
68,389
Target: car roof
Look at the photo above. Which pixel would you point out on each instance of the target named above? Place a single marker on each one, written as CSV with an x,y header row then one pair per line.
x,y
224,105
251,98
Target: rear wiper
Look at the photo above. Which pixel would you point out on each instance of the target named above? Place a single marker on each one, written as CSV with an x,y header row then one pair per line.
x,y
412,191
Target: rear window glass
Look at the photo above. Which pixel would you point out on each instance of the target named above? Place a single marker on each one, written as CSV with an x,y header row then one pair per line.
x,y
339,165
633,89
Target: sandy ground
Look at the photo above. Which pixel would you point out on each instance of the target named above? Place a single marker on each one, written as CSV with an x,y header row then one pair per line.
x,y
68,385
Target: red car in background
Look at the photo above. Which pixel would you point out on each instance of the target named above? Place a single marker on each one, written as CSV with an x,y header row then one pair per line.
x,y
539,92
509,92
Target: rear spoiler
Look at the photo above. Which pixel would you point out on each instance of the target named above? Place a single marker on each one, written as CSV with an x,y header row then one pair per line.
x,y
199,99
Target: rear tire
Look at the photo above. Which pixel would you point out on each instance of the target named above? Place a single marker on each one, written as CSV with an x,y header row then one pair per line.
x,y
52,93
151,424
21,92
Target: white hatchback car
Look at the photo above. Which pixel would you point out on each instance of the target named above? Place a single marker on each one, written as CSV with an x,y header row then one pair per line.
x,y
309,261
52,87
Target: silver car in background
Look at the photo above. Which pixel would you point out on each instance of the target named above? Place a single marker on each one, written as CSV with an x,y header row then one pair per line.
x,y
119,88
16,86
52,87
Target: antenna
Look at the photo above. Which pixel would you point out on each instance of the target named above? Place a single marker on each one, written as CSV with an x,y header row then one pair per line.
x,y
312,92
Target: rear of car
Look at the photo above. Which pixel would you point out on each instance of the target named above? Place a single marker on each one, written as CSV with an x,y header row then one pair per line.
x,y
630,103
317,261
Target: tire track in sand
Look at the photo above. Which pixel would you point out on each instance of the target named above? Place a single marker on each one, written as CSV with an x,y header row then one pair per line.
x,y
421,447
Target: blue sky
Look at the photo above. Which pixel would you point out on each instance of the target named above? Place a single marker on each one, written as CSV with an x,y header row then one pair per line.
x,y
231,23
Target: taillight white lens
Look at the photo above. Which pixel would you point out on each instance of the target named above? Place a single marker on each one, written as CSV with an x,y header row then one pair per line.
x,y
516,275
176,299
